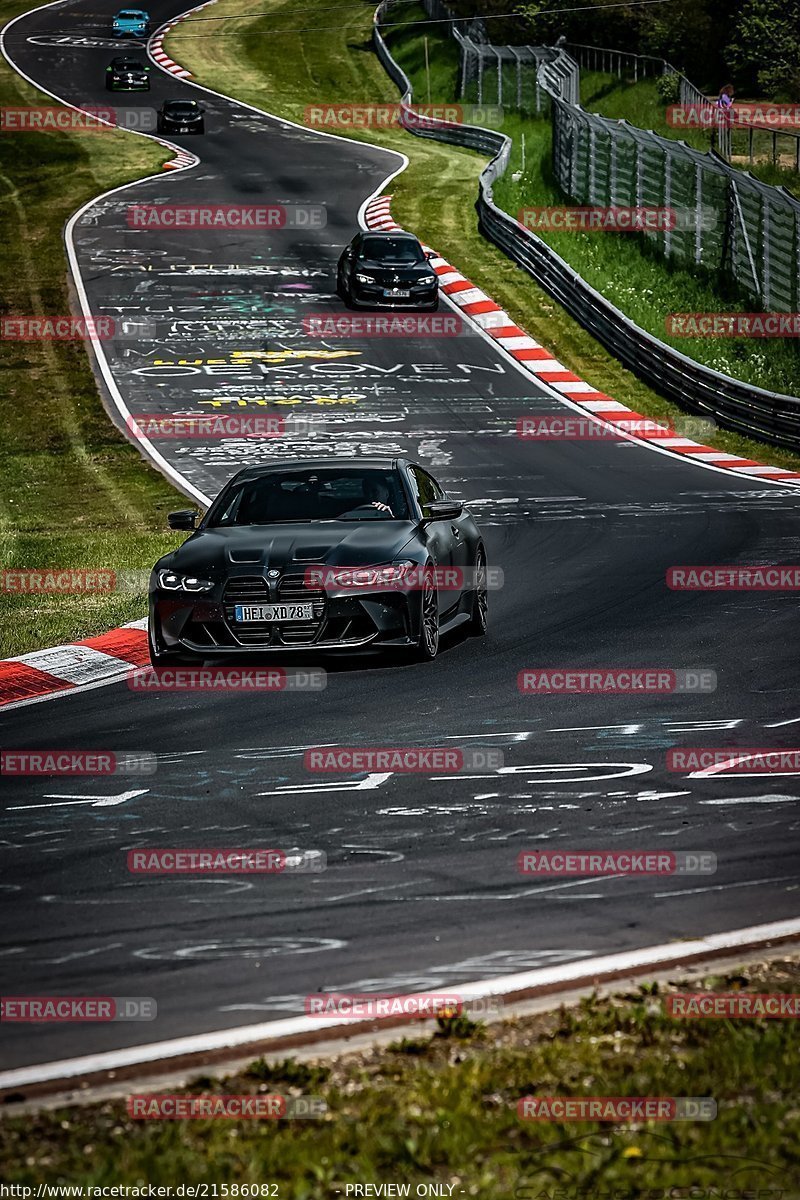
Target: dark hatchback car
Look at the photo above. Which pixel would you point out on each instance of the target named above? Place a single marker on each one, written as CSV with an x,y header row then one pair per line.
x,y
331,554
387,270
181,116
125,74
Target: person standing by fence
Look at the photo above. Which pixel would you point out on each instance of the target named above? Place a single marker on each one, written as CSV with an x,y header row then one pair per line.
x,y
724,113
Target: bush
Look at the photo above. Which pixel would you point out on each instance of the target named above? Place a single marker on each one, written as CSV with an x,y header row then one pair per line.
x,y
669,88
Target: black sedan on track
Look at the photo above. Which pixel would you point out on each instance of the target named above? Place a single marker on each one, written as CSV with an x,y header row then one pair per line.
x,y
386,270
330,554
181,116
125,74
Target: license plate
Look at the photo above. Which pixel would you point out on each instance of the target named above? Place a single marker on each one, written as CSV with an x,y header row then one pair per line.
x,y
183,129
396,292
273,612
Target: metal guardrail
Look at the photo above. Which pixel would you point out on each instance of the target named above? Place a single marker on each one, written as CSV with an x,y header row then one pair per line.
x,y
749,410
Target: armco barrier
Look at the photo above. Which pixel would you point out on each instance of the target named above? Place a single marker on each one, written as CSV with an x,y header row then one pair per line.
x,y
771,416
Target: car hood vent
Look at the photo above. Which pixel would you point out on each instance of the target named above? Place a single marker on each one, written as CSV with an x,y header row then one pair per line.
x,y
245,556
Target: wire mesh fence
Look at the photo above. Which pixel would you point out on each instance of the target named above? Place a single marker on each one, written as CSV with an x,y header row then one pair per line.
x,y
719,217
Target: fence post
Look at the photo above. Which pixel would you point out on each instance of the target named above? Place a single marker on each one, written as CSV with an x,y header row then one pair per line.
x,y
698,209
667,201
480,75
575,127
766,233
591,152
499,58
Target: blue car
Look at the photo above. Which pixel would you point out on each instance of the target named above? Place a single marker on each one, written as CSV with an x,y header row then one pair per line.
x,y
131,22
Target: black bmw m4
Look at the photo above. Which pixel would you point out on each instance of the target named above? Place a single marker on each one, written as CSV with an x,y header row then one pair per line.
x,y
386,270
331,554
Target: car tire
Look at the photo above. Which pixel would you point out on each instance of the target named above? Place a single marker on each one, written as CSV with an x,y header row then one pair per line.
x,y
478,619
428,644
435,306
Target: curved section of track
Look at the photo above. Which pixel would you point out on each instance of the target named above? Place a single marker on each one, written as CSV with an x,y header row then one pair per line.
x,y
584,533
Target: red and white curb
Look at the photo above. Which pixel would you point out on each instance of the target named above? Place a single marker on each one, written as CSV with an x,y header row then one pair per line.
x,y
545,367
61,669
270,1036
155,49
156,44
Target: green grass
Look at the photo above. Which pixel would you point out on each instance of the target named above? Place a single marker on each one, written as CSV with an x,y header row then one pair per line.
x,y
256,59
442,1108
73,491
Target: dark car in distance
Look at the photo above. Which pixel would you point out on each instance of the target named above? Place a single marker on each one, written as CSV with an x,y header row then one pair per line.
x,y
124,74
386,270
329,554
181,116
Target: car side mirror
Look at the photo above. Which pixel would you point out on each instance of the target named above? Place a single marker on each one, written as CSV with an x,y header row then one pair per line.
x,y
442,510
185,519
429,254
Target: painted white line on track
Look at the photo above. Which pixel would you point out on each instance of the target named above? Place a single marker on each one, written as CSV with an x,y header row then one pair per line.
x,y
561,977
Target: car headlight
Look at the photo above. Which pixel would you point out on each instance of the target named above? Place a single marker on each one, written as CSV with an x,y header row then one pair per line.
x,y
170,581
362,278
384,575
428,279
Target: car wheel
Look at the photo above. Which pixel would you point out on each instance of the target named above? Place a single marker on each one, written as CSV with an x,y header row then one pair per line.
x,y
428,645
480,597
435,306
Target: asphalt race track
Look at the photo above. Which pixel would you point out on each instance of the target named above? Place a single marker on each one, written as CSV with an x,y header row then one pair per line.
x,y
422,887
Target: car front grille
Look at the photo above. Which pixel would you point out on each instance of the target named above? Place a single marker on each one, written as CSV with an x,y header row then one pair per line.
x,y
253,589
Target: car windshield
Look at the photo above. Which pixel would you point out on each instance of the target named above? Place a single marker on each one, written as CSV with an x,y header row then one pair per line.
x,y
127,64
328,494
181,108
393,250
129,15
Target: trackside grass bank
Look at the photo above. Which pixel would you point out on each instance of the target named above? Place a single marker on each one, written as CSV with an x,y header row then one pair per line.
x,y
279,63
443,1110
73,492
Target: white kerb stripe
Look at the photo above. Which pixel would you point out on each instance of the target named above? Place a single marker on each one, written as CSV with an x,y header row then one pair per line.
x,y
75,664
649,957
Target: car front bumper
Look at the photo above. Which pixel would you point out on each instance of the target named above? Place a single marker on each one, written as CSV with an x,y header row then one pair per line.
x,y
341,621
371,295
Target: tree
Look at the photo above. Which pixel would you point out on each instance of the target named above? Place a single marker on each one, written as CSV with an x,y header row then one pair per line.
x,y
764,51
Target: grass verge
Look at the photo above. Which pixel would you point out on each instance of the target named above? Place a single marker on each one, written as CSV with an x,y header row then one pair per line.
x,y
73,492
282,67
443,1109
